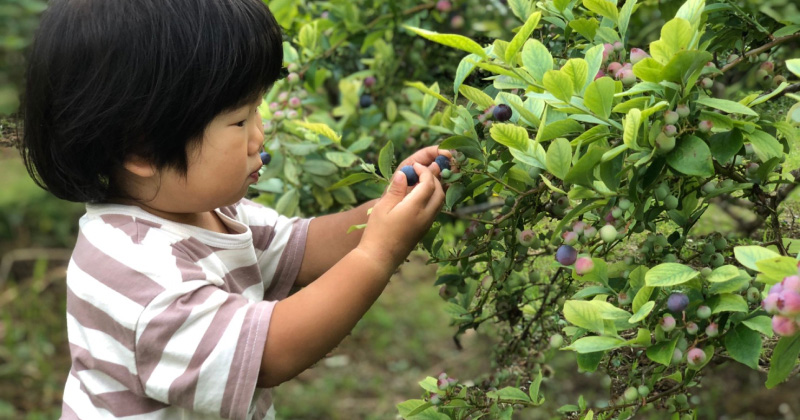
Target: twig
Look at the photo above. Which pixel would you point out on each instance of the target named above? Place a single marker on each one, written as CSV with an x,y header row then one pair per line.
x,y
759,50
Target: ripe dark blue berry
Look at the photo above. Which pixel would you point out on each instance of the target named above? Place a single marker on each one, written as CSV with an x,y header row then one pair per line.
x,y
365,101
411,176
566,255
443,162
502,112
677,302
265,158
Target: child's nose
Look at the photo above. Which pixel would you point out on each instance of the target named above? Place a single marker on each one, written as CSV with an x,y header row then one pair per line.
x,y
256,136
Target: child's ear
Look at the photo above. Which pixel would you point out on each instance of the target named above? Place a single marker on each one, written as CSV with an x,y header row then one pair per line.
x,y
139,166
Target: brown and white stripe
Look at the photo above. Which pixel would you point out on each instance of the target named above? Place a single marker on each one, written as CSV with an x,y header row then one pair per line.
x,y
168,320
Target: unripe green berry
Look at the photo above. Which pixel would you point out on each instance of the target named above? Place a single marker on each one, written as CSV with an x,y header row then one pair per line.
x,y
631,394
661,192
556,341
706,83
671,117
683,110
624,203
717,260
671,202
643,390
608,233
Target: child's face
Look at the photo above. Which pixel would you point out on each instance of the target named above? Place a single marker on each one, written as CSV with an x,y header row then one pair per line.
x,y
220,169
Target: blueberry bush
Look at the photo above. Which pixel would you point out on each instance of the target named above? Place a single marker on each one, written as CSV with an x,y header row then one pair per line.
x,y
587,143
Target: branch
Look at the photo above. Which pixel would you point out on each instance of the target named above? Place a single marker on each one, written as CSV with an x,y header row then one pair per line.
x,y
759,50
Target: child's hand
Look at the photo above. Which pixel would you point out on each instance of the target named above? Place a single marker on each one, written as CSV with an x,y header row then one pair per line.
x,y
403,215
426,157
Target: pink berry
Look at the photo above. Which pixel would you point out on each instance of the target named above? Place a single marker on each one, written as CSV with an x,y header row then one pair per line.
x,y
274,106
695,356
638,55
584,265
790,283
578,227
457,22
607,50
712,330
294,102
293,78
776,288
784,326
768,66
618,46
443,6
369,81
668,323
791,303
570,238
526,237
670,130
627,77
283,97
772,303
599,74
613,68
705,126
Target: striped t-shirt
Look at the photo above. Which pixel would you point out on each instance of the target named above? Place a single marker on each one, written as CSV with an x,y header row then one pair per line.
x,y
169,321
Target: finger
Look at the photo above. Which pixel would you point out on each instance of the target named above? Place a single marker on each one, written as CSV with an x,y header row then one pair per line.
x,y
436,201
423,190
394,193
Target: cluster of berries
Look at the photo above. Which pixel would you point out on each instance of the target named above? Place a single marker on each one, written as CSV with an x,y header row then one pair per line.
x,y
677,303
444,165
620,71
444,383
783,301
656,247
289,103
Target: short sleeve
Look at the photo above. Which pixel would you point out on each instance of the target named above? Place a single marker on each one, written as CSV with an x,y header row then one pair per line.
x,y
279,244
200,348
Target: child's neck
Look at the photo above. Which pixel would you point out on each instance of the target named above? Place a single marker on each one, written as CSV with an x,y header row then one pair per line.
x,y
208,220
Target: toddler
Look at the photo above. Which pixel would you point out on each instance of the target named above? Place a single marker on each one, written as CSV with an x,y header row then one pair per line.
x,y
177,307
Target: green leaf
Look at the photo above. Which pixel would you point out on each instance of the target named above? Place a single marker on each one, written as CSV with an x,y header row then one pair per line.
x,y
321,129
675,36
725,105
685,66
559,157
642,312
582,172
536,59
723,274
765,146
533,390
599,96
582,314
477,96
351,179
632,122
603,8
319,167
662,352
287,204
342,159
455,193
778,267
589,361
451,40
692,157
578,70
793,66
783,361
465,68
509,393
559,84
743,345
669,274
510,135
749,255
421,86
642,297
558,128
649,70
405,408
727,302
593,344
521,8
385,160
761,323
594,59
522,36
724,146
625,17
585,27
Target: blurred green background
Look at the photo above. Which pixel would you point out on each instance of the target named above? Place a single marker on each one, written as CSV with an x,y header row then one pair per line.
x,y
402,339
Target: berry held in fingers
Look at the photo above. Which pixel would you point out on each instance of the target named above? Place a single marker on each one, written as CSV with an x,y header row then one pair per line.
x,y
411,176
443,162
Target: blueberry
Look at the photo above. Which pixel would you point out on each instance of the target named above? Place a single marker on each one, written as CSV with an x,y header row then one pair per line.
x,y
443,162
265,158
502,112
677,302
411,176
566,255
365,101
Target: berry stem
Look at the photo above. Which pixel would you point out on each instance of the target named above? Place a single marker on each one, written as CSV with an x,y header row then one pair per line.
x,y
759,50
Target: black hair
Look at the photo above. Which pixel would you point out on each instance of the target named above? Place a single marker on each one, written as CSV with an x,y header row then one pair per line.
x,y
109,79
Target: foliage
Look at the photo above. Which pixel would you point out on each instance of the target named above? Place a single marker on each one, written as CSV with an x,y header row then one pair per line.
x,y
18,18
619,141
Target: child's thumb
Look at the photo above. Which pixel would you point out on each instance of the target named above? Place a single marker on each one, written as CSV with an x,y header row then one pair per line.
x,y
396,190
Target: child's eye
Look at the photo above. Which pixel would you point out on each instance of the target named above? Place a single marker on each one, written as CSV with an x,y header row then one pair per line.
x,y
241,123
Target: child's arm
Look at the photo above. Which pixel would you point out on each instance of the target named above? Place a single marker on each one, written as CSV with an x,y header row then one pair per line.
x,y
310,323
328,241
